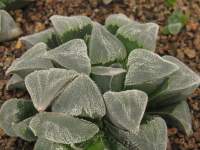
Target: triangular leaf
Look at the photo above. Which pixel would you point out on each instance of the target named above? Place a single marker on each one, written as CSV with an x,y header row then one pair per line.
x,y
43,144
8,28
105,47
136,35
30,61
126,109
108,78
152,135
88,102
45,36
73,27
23,131
13,111
71,55
178,87
177,115
15,82
45,85
114,21
147,71
62,128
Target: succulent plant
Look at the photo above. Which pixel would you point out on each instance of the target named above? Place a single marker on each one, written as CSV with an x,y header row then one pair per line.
x,y
8,28
95,87
13,4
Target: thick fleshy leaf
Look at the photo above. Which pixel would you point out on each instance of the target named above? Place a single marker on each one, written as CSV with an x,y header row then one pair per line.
x,y
137,35
8,28
45,85
30,61
177,115
13,111
115,21
147,71
47,36
62,128
15,82
71,55
43,144
152,135
1,103
23,131
126,109
105,47
178,87
108,78
73,27
13,4
88,102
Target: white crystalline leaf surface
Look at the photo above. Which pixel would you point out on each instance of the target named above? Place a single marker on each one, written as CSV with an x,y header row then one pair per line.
x,y
87,102
62,128
45,85
126,109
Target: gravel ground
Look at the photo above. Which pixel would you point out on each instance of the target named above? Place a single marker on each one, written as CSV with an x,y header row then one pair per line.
x,y
185,46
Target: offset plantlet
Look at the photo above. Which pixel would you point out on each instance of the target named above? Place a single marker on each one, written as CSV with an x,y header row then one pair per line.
x,y
8,28
99,93
13,4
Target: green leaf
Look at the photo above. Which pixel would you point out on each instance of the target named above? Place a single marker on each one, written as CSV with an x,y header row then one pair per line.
x,y
152,135
177,115
30,61
45,85
136,35
46,36
8,28
15,82
23,131
173,28
105,47
170,2
43,144
147,71
2,5
88,102
115,21
71,55
178,87
13,111
73,27
108,78
126,109
62,128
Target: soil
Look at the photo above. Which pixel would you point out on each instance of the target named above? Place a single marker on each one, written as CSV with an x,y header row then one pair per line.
x,y
185,46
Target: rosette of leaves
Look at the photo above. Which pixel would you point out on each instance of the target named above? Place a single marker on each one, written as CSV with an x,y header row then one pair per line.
x,y
13,4
8,28
92,92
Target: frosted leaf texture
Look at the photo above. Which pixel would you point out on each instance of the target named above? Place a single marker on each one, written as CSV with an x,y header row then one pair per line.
x,y
108,78
147,70
152,135
87,102
43,36
8,28
71,55
50,83
105,47
137,35
180,84
23,131
15,82
13,111
43,144
114,21
30,61
126,109
177,115
69,28
62,128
